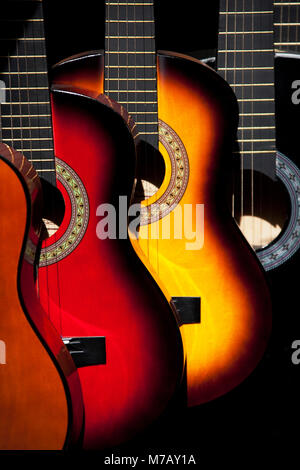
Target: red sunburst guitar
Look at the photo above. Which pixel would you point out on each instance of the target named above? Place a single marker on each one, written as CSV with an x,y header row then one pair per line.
x,y
187,112
40,397
115,321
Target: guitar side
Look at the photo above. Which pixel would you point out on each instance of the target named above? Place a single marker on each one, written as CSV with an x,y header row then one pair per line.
x,y
40,398
235,319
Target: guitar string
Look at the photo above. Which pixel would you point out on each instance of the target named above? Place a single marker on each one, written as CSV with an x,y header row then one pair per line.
x,y
226,57
252,116
47,266
37,133
51,202
27,90
228,28
118,48
147,140
155,106
10,112
19,95
297,27
288,21
243,91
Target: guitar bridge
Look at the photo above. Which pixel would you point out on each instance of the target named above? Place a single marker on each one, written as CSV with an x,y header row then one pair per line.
x,y
87,350
187,309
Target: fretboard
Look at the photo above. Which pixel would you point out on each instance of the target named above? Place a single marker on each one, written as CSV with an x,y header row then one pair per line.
x,y
24,88
287,26
246,62
130,63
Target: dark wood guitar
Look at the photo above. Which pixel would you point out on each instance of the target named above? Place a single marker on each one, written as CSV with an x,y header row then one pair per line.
x,y
40,396
119,328
265,200
185,120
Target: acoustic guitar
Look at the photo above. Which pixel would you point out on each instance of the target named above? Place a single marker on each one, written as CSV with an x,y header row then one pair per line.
x,y
185,120
265,196
40,396
112,317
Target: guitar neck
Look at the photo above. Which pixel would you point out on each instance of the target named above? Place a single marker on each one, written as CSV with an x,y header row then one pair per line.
x,y
246,62
130,62
25,106
287,26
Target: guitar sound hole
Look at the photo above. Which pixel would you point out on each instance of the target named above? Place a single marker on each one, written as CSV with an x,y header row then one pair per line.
x,y
262,209
150,171
53,208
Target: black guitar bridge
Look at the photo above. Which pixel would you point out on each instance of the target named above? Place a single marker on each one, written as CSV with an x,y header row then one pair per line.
x,y
87,350
187,309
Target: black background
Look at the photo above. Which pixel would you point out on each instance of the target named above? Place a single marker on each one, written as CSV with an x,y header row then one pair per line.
x,y
74,27
260,417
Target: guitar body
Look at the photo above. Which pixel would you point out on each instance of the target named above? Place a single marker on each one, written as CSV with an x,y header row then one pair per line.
x,y
198,118
40,396
98,288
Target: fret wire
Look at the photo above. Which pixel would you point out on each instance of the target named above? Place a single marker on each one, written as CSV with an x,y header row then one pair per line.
x,y
245,32
23,73
250,152
286,24
130,66
256,99
25,115
130,52
26,102
32,149
251,84
131,91
245,12
129,37
23,56
257,114
257,140
296,43
27,88
24,138
22,39
138,102
20,20
256,127
133,79
144,112
26,128
224,51
121,4
129,21
245,68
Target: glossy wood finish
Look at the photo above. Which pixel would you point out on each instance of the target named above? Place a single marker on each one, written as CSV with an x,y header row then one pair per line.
x,y
40,396
102,288
235,325
235,305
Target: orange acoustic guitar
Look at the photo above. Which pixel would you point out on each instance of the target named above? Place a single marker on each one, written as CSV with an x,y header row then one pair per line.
x,y
186,111
40,396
